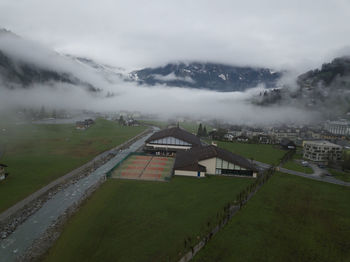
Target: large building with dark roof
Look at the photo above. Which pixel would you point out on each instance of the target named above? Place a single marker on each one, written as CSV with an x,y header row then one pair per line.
x,y
170,141
195,159
212,160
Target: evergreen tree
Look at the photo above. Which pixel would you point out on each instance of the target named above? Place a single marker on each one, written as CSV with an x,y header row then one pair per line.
x,y
121,120
205,133
346,162
42,113
54,113
200,130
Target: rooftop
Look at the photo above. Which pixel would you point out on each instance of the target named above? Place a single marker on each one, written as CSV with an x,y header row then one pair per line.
x,y
193,156
321,143
177,133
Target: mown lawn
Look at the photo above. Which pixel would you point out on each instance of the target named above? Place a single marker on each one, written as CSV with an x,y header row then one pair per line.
x,y
144,221
268,154
344,176
192,126
296,166
38,154
157,123
290,219
292,165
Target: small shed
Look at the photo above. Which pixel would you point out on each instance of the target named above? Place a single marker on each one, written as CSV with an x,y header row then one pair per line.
x,y
287,144
3,173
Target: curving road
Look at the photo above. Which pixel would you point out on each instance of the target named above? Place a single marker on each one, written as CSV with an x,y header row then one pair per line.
x,y
316,176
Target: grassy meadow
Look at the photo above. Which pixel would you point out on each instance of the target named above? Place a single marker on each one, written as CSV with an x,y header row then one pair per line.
x,y
289,219
269,154
127,220
38,154
341,175
292,164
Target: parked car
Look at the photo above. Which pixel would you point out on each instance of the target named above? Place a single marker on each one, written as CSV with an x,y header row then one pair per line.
x,y
304,163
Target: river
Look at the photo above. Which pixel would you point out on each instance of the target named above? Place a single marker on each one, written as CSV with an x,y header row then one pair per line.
x,y
24,235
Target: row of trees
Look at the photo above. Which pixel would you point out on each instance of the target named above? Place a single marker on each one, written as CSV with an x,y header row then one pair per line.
x,y
42,113
202,131
346,162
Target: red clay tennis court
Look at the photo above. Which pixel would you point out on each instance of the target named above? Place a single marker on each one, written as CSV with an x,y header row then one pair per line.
x,y
144,167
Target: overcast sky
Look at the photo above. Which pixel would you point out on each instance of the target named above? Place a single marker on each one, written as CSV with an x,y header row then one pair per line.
x,y
133,34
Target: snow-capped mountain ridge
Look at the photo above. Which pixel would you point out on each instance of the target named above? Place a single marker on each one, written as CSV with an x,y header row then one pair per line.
x,y
212,76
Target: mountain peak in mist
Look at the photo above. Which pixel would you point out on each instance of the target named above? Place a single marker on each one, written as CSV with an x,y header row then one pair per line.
x,y
212,76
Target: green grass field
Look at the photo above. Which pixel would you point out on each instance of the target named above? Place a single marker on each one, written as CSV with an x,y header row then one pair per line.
x,y
293,165
38,154
192,127
128,220
290,219
344,176
268,154
157,123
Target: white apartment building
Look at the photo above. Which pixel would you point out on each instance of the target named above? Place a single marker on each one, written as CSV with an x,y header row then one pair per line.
x,y
338,127
322,151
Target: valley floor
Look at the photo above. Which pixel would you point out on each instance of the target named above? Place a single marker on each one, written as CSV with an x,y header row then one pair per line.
x,y
289,219
39,154
129,220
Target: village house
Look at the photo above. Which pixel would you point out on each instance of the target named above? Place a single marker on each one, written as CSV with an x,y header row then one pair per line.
x,y
131,122
281,133
253,132
265,139
82,125
3,173
287,144
242,138
329,136
235,132
229,137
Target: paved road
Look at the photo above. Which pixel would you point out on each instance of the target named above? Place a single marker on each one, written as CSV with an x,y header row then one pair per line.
x,y
316,176
24,235
328,179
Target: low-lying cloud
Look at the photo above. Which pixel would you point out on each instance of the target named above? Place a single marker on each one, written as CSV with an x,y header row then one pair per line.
x,y
173,77
232,107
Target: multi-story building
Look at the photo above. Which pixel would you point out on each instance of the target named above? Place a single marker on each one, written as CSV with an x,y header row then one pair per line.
x,y
338,127
284,133
322,151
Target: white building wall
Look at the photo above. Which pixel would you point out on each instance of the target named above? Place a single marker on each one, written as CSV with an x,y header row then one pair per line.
x,y
188,173
210,164
168,146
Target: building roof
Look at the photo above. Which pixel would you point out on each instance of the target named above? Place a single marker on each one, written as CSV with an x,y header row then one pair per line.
x,y
177,133
287,142
321,143
192,157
